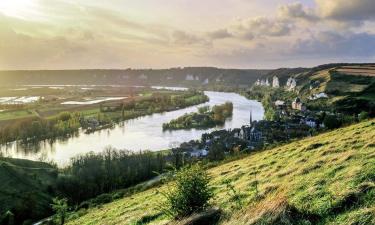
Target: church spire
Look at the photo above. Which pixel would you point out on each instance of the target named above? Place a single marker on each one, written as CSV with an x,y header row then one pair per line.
x,y
251,117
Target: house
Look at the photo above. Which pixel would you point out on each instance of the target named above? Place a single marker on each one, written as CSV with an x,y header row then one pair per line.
x,y
279,103
275,82
311,122
298,105
199,153
318,96
189,77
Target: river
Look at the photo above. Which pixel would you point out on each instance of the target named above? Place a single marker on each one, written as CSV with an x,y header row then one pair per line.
x,y
143,133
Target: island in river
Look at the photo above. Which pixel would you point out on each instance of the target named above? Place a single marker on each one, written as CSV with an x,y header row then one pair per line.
x,y
203,119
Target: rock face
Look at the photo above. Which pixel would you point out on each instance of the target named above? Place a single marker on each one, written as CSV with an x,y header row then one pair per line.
x,y
208,217
275,82
291,83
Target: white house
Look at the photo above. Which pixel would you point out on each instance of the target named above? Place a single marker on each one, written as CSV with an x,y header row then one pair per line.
x,y
199,153
319,95
311,122
189,77
279,103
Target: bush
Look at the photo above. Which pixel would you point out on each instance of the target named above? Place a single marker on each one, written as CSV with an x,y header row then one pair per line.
x,y
190,192
363,116
331,122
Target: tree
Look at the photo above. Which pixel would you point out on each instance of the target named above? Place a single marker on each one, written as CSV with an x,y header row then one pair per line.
x,y
190,192
331,122
217,151
363,116
60,206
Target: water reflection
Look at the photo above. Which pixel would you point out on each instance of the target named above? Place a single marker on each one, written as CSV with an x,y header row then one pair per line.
x,y
143,133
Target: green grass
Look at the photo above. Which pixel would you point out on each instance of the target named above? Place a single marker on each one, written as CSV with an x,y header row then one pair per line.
x,y
15,114
327,179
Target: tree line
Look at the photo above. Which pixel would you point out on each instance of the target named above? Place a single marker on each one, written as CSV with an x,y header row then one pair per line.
x,y
37,129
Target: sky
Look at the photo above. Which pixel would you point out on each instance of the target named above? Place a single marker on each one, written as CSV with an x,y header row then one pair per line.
x,y
116,34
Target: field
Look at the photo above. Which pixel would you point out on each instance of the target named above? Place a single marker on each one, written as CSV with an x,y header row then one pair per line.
x,y
326,179
51,106
368,70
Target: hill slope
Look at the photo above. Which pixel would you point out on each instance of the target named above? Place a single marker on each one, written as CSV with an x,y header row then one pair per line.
x,y
327,179
24,188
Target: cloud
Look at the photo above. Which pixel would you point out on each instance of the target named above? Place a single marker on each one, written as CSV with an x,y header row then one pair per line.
x,y
344,10
296,11
180,37
219,34
260,27
338,45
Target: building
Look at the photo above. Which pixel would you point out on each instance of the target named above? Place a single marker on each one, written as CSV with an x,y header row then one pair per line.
x,y
298,105
206,81
189,77
318,96
199,153
279,103
311,122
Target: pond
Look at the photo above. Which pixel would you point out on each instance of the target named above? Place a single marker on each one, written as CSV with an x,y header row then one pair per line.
x,y
143,133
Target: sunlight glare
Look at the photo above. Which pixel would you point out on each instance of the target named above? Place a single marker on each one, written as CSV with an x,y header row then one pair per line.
x,y
15,8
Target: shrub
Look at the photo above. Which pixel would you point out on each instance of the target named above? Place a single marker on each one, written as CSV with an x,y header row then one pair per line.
x,y
190,192
363,116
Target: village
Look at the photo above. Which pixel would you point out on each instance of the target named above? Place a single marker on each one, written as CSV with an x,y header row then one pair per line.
x,y
290,122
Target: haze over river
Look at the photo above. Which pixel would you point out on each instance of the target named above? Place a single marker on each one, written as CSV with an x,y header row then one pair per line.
x,y
143,133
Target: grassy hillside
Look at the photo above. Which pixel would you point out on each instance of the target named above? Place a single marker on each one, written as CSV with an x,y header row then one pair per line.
x,y
24,188
327,179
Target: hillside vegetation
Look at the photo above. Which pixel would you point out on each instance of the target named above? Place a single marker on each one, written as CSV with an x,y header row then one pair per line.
x,y
25,188
326,179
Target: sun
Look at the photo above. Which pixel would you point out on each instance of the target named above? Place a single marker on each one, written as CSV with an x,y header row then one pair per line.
x,y
15,8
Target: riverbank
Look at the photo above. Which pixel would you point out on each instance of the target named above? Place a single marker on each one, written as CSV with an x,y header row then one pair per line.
x,y
101,116
142,133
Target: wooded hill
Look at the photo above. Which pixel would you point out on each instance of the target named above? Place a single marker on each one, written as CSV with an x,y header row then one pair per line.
x,y
188,76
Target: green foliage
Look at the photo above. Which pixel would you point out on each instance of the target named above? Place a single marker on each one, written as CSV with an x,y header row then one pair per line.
x,y
331,122
92,174
363,116
217,151
233,193
37,129
203,119
60,206
190,192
